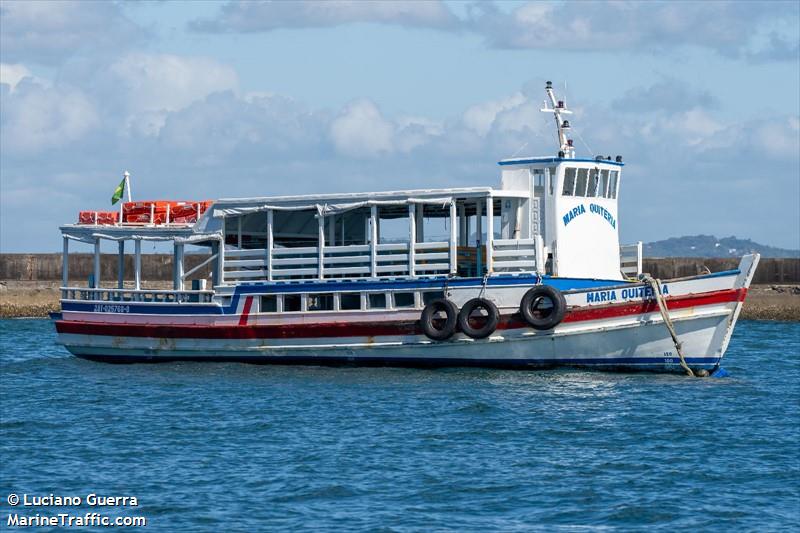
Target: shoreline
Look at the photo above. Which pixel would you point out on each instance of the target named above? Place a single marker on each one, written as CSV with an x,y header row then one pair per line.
x,y
36,299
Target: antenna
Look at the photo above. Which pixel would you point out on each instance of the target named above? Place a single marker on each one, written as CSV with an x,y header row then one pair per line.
x,y
559,108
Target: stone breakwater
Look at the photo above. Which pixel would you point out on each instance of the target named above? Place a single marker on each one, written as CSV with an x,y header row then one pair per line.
x,y
36,299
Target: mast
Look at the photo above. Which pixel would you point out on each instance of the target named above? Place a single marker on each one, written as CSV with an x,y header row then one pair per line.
x,y
127,177
558,108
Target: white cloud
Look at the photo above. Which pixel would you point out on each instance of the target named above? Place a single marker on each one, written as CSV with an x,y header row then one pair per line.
x,y
48,32
480,117
37,118
733,29
167,82
11,74
260,16
361,131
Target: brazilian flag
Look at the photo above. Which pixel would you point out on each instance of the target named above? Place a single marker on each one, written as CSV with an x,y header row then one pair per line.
x,y
118,192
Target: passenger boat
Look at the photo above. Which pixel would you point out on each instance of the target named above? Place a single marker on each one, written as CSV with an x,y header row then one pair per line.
x,y
527,275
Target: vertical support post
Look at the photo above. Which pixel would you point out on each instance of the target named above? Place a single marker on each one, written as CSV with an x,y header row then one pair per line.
x,y
137,264
489,233
453,236
412,238
270,244
321,246
215,265
221,253
221,261
540,259
420,222
96,280
239,231
373,241
177,282
639,257
121,265
65,263
479,234
463,234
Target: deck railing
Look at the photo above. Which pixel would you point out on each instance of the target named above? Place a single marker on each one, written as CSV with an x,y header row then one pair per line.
x,y
123,296
630,259
386,260
517,255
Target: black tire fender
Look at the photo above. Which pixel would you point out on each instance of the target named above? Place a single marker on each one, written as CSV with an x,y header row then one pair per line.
x,y
429,327
492,318
543,318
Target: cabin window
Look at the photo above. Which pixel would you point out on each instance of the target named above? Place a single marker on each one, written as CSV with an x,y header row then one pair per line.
x,y
583,180
569,182
428,297
603,187
319,302
404,299
612,191
350,301
538,179
291,302
552,178
269,304
594,184
377,301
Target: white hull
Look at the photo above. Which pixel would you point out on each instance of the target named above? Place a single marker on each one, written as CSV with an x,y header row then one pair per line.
x,y
595,334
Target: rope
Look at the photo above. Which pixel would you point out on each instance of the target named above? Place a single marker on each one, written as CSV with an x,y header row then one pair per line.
x,y
662,306
584,142
483,285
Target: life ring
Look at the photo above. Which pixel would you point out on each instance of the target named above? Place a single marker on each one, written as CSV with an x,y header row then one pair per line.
x,y
434,327
491,320
543,307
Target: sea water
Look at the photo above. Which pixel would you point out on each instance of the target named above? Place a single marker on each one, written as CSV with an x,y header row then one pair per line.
x,y
237,447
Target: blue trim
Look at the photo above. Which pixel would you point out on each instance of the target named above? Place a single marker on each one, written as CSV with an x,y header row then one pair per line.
x,y
734,272
556,160
563,284
627,363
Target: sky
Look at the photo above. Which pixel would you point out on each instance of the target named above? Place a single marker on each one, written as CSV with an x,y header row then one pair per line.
x,y
203,100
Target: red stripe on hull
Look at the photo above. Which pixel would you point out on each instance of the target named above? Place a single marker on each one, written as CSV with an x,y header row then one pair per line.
x,y
248,303
373,329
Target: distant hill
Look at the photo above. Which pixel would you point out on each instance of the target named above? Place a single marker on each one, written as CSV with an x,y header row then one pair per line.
x,y
710,246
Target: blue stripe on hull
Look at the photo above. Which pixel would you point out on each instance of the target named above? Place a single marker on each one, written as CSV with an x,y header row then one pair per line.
x,y
650,364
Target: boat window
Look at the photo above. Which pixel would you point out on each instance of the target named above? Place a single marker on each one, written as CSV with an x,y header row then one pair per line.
x,y
320,302
552,178
377,301
580,184
350,301
404,299
594,182
612,190
269,304
538,178
291,302
603,189
569,182
428,297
